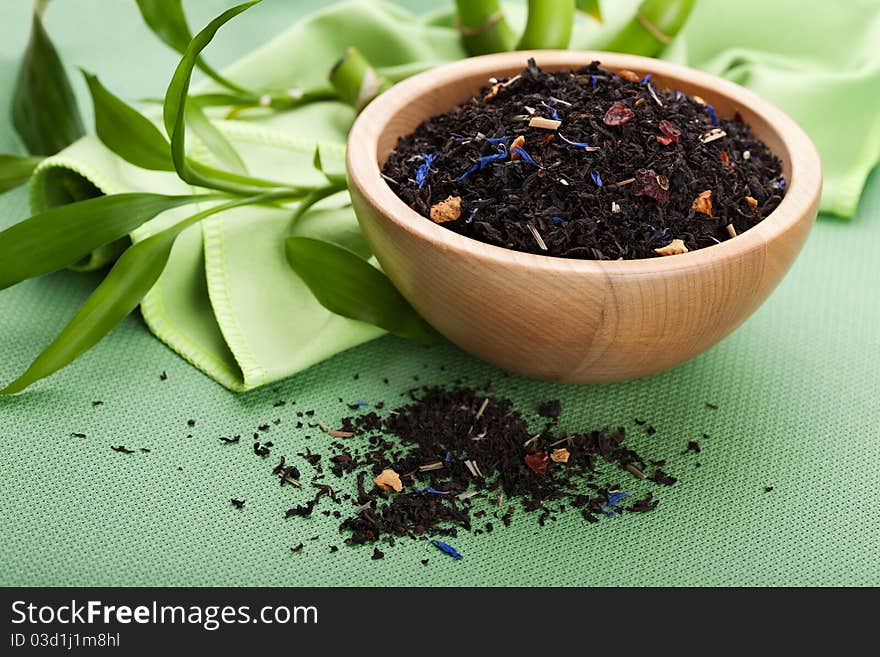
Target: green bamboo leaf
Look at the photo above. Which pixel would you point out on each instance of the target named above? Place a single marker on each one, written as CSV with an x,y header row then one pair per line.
x,y
63,235
212,138
127,132
44,109
314,197
136,271
174,112
133,275
590,8
167,20
335,179
16,170
347,285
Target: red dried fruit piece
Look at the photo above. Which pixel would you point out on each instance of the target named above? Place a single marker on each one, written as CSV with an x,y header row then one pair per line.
x,y
538,462
725,158
670,133
618,114
648,183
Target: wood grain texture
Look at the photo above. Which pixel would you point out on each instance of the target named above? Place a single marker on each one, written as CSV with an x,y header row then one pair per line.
x,y
576,320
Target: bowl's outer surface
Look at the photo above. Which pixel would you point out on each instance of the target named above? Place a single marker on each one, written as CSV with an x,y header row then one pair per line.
x,y
576,320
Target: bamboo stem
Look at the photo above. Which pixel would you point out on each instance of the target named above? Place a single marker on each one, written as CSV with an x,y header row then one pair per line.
x,y
483,27
355,81
549,25
654,25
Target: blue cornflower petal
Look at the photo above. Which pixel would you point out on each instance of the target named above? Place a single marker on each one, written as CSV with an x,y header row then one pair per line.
x,y
448,457
616,497
712,116
483,161
579,144
557,220
780,184
593,81
679,95
422,171
496,140
448,549
596,178
466,173
431,489
486,159
553,113
361,402
646,78
525,156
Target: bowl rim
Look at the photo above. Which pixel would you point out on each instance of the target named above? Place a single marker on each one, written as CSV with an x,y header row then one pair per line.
x,y
800,200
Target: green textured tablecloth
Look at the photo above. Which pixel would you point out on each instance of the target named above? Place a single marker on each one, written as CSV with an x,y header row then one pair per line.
x,y
797,387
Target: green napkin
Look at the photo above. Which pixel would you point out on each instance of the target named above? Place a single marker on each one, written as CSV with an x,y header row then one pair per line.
x,y
229,303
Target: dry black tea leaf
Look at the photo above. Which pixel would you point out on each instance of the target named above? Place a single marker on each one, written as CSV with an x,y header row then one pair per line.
x,y
586,164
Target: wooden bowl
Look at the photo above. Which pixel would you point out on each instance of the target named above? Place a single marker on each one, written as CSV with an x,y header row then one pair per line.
x,y
576,320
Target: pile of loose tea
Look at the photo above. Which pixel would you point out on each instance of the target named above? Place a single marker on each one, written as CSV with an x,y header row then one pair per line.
x,y
587,164
423,469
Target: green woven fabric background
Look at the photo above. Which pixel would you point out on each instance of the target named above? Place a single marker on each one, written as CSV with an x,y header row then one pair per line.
x,y
797,388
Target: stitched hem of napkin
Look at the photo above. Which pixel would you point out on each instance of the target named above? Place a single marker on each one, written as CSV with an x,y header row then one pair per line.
x,y
271,137
36,190
152,305
253,374
157,320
